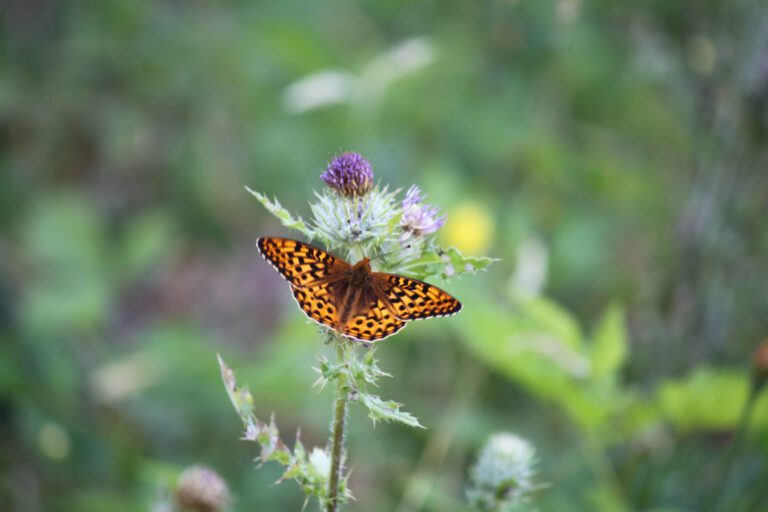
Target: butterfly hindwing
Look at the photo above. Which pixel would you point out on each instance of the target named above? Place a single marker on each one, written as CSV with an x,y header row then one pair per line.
x,y
412,299
299,263
375,323
318,304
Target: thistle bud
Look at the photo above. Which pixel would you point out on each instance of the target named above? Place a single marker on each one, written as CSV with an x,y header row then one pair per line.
x,y
502,477
760,366
349,174
201,489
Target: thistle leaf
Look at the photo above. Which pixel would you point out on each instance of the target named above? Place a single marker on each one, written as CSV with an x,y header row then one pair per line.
x,y
389,410
286,218
447,263
467,264
267,436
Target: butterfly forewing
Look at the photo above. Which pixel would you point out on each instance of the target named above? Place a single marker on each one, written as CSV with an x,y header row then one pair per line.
x,y
412,299
301,264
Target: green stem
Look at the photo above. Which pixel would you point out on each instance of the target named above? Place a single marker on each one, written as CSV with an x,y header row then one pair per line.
x,y
733,449
595,452
423,478
337,439
758,501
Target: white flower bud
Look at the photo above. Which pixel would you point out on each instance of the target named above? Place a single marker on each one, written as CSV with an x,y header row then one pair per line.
x,y
502,477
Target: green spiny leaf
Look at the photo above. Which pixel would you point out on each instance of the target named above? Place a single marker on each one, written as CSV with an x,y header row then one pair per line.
x,y
389,410
275,208
447,263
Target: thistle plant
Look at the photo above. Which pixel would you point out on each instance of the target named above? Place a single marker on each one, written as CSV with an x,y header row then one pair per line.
x,y
355,218
502,478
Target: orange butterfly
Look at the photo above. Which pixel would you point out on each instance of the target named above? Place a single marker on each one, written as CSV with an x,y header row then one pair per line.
x,y
353,300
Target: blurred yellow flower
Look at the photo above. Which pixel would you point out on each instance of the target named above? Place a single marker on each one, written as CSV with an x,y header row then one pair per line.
x,y
470,228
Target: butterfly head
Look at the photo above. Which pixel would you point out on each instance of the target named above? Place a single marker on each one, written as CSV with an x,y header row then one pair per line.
x,y
364,265
361,271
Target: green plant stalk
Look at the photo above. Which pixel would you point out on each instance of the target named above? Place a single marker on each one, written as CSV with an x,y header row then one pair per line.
x,y
422,480
758,500
734,448
596,456
337,436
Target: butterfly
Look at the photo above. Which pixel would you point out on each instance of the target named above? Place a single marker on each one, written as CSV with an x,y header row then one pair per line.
x,y
352,299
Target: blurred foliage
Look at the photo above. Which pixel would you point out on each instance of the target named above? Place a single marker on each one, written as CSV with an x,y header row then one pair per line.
x,y
611,154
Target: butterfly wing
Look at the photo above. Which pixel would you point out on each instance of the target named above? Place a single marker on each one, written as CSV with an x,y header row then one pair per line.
x,y
411,299
311,272
300,264
318,304
373,323
317,280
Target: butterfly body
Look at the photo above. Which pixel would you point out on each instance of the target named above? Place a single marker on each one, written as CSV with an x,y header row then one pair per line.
x,y
360,275
352,299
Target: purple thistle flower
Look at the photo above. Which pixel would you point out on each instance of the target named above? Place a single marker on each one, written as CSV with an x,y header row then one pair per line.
x,y
413,197
349,174
419,219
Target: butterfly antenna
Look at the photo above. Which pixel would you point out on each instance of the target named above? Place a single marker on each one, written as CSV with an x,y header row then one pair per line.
x,y
384,255
362,251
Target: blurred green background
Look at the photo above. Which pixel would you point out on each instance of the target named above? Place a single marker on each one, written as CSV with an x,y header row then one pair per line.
x,y
612,154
